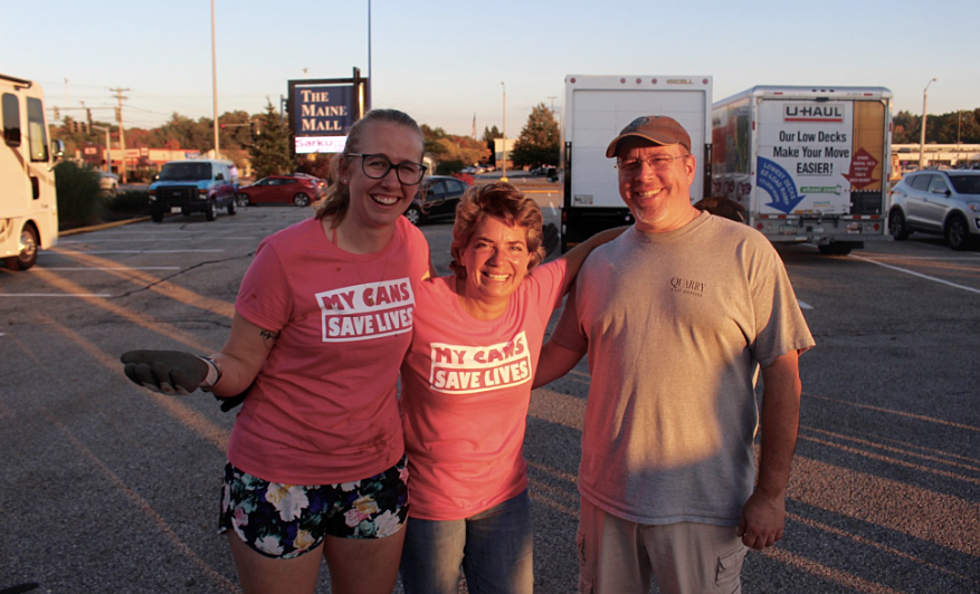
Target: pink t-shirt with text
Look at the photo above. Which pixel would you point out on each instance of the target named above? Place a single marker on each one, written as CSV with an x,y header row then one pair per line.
x,y
466,388
324,409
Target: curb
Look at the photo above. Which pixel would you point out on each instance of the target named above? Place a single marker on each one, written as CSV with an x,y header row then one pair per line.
x,y
78,230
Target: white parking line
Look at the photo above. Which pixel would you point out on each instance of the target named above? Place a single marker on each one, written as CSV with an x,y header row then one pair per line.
x,y
154,239
64,268
554,209
918,274
70,252
804,304
32,295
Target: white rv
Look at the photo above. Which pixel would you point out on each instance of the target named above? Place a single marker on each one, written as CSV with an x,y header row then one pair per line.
x,y
28,205
596,108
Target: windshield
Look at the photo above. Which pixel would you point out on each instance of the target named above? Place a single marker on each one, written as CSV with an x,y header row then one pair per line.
x,y
185,172
965,184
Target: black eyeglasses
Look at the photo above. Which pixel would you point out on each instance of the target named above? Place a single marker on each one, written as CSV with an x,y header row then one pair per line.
x,y
657,163
378,166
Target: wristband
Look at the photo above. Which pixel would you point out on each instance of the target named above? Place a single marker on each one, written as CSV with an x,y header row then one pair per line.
x,y
214,374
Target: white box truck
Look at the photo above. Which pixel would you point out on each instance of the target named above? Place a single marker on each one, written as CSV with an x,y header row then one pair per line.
x,y
808,164
596,108
28,205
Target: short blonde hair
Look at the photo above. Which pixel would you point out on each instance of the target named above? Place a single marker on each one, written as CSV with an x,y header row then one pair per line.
x,y
505,202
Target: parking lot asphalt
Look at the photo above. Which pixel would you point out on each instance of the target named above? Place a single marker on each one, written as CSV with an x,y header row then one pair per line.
x,y
105,487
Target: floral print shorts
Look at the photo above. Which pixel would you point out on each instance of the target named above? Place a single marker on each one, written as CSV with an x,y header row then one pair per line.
x,y
285,521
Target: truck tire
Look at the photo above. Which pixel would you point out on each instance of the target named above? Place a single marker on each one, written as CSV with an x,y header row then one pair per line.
x,y
835,249
157,216
211,212
957,232
233,205
897,227
27,256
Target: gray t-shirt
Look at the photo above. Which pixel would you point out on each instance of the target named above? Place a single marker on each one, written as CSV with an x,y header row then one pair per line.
x,y
674,324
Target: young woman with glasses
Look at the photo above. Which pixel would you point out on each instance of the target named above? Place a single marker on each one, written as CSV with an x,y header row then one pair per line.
x,y
316,461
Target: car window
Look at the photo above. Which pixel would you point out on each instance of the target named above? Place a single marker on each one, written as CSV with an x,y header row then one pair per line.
x,y
938,185
921,182
456,186
965,184
437,191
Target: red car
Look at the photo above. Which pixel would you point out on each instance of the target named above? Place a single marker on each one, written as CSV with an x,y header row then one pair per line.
x,y
291,189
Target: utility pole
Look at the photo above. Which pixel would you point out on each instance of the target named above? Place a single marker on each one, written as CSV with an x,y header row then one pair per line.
x,y
214,83
922,138
503,178
108,149
552,104
122,134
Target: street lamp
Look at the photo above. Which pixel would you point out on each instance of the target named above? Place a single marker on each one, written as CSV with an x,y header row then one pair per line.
x,y
214,83
922,138
504,164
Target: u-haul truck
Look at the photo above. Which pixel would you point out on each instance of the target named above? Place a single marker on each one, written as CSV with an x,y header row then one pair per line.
x,y
595,110
808,164
28,205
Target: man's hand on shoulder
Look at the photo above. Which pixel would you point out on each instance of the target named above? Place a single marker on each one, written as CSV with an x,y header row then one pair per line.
x,y
763,519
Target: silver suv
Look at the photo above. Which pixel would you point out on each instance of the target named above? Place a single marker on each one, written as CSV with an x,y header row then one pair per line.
x,y
945,202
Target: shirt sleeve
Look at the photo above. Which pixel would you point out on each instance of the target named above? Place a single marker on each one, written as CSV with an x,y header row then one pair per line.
x,y
780,324
550,282
265,298
419,248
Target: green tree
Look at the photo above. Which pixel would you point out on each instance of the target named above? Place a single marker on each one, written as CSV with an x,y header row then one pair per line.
x,y
270,148
489,134
433,146
538,143
905,128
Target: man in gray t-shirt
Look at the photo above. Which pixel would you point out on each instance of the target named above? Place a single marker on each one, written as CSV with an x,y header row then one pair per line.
x,y
676,315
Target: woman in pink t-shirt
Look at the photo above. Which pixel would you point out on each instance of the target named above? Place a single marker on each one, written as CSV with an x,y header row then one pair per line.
x,y
316,466
466,387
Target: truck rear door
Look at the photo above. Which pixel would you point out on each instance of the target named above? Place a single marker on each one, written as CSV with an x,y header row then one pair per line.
x,y
598,117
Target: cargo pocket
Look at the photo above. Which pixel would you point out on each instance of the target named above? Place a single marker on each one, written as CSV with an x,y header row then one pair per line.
x,y
586,577
728,576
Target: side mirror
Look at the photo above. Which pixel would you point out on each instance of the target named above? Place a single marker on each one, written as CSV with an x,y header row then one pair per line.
x,y
155,177
57,149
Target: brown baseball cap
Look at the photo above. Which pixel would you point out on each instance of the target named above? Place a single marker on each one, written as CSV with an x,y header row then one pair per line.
x,y
661,130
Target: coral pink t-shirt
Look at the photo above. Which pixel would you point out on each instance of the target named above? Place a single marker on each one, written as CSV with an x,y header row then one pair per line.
x,y
466,388
324,406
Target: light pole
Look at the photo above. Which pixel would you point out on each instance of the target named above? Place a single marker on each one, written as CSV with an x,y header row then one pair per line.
x,y
214,83
922,138
503,178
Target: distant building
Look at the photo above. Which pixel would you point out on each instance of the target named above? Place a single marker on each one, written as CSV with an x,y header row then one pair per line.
x,y
498,152
905,157
142,157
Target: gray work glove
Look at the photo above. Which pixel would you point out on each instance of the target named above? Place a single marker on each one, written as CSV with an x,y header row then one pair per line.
x,y
167,372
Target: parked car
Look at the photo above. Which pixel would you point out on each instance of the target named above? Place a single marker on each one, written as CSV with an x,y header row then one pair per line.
x,y
934,201
441,195
300,190
198,185
321,184
108,182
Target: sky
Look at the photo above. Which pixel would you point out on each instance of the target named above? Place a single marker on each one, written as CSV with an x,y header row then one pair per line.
x,y
443,62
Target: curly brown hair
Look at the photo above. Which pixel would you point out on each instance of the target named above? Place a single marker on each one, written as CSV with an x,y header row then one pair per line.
x,y
337,198
501,200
